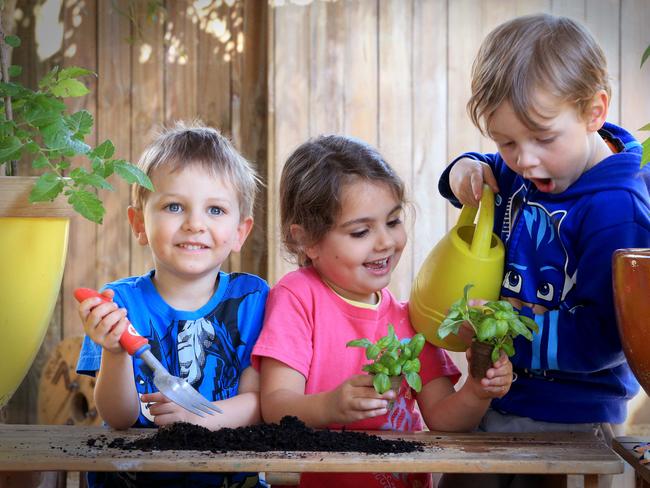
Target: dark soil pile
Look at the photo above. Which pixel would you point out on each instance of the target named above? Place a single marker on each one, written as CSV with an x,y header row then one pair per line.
x,y
289,435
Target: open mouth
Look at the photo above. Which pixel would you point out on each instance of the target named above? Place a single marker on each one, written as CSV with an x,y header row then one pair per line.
x,y
546,185
379,265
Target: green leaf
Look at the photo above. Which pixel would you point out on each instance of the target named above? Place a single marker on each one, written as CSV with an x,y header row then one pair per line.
x,y
88,205
15,70
40,162
414,381
10,148
80,123
48,78
57,136
68,88
47,187
132,174
104,151
530,323
83,178
449,327
10,89
417,344
508,348
496,354
74,72
646,53
381,382
372,351
645,127
13,41
501,328
359,343
486,329
518,328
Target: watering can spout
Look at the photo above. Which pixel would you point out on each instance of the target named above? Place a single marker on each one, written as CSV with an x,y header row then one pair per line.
x,y
469,253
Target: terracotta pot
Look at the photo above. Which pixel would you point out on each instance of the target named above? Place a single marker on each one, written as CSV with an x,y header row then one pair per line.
x,y
631,284
481,359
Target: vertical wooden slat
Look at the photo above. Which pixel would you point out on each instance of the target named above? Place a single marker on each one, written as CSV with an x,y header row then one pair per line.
x,y
147,62
396,112
429,123
180,62
361,113
290,110
602,17
113,122
80,48
254,125
569,8
218,78
326,83
635,38
465,34
526,7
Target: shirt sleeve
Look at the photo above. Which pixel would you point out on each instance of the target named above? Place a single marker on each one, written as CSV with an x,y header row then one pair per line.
x,y
287,332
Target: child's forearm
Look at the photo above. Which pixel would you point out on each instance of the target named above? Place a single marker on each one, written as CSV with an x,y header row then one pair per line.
x,y
311,409
459,412
115,394
240,410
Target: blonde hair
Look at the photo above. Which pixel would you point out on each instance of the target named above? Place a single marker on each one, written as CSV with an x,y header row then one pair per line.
x,y
535,52
196,144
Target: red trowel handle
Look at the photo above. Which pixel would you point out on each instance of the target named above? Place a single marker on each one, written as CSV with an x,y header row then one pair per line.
x,y
130,340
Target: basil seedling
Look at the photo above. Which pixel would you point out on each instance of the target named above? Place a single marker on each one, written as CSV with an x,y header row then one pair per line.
x,y
496,323
392,358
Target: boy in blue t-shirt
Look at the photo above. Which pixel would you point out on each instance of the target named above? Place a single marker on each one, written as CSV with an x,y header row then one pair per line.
x,y
201,323
569,192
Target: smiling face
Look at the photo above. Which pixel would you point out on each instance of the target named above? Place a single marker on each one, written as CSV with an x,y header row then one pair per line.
x,y
358,255
553,158
191,223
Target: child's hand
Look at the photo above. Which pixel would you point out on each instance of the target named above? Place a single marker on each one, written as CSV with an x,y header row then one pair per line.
x,y
356,399
497,379
466,180
166,412
104,322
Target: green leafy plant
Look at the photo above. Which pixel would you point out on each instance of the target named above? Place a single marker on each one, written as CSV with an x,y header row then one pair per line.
x,y
392,357
496,323
37,125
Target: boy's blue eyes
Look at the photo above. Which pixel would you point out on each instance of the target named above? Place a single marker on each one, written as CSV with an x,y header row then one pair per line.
x,y
177,208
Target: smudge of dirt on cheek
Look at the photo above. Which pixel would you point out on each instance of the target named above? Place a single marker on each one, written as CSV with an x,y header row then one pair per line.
x,y
289,435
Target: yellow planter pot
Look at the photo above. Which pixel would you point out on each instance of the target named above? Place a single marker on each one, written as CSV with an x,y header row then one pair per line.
x,y
32,258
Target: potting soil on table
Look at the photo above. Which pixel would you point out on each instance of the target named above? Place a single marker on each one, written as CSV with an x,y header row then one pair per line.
x,y
290,434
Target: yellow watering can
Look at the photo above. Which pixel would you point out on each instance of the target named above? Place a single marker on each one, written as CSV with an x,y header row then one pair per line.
x,y
467,254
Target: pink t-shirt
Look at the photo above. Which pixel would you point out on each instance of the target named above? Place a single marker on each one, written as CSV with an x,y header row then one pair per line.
x,y
307,327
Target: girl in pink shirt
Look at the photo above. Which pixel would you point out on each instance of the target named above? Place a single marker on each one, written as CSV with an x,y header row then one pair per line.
x,y
341,214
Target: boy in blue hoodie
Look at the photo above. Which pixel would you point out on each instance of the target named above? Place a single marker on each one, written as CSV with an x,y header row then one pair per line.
x,y
569,191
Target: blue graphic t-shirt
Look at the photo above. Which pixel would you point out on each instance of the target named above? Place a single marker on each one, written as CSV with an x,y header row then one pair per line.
x,y
209,347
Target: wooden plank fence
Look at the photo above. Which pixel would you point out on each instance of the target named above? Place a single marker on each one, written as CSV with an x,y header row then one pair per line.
x,y
392,72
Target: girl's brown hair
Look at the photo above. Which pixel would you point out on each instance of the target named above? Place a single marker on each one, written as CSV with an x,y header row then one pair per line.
x,y
535,52
311,184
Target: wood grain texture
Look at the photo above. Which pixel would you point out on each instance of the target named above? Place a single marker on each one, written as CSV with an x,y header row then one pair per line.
x,y
30,447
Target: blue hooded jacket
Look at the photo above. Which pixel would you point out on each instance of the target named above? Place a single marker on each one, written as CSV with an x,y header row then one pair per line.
x,y
559,265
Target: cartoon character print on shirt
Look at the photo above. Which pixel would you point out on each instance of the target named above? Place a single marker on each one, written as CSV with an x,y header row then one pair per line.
x,y
205,353
537,277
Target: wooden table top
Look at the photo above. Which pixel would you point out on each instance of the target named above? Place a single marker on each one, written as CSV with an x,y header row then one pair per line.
x,y
625,447
65,448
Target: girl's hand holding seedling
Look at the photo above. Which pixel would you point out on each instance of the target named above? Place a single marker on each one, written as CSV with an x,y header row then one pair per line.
x,y
356,399
104,322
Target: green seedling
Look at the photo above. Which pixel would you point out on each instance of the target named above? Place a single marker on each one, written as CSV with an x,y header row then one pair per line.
x,y
495,323
392,358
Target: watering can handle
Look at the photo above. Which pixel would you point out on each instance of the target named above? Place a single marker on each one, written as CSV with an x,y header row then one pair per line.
x,y
483,233
130,340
